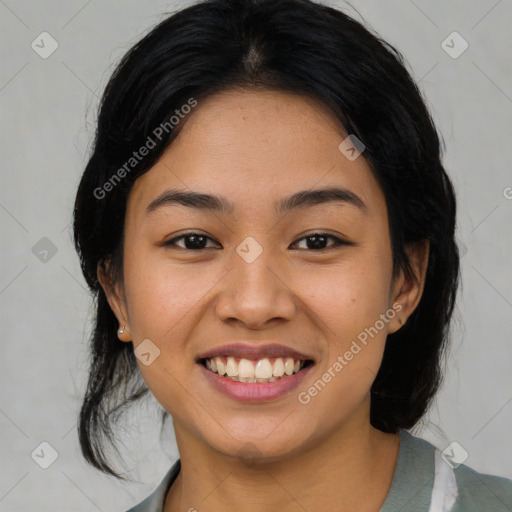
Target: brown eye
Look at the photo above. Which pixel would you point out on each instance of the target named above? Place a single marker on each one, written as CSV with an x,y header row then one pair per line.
x,y
318,241
192,241
315,241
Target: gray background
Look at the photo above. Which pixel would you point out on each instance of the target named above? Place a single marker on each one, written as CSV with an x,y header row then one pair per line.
x,y
48,111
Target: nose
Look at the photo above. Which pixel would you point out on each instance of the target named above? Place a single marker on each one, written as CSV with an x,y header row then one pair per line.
x,y
255,294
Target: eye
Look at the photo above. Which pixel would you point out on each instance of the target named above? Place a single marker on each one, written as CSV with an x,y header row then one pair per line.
x,y
193,241
317,241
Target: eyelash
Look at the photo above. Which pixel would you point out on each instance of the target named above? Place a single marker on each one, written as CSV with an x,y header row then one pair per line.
x,y
338,241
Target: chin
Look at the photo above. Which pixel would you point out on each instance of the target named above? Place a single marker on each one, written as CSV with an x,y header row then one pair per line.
x,y
263,446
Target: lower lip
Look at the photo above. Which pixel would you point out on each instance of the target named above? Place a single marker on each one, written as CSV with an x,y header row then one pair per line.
x,y
255,392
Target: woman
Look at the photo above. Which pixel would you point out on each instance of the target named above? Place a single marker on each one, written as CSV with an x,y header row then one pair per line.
x,y
268,229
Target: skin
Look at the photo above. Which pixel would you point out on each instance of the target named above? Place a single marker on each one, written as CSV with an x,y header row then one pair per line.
x,y
255,147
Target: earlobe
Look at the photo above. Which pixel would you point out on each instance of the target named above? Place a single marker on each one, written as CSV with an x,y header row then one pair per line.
x,y
115,299
397,321
123,334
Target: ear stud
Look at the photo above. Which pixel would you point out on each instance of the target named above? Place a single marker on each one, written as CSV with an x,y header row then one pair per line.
x,y
120,330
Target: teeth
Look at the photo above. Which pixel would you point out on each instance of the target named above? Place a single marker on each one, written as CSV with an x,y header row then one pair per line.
x,y
288,366
278,368
231,367
246,369
254,371
263,369
221,367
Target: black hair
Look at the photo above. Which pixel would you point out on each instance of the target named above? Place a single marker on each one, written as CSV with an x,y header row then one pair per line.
x,y
297,47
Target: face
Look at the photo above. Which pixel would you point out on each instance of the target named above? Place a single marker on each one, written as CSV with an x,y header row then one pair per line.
x,y
261,281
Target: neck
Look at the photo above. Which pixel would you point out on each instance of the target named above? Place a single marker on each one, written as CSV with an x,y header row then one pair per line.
x,y
350,470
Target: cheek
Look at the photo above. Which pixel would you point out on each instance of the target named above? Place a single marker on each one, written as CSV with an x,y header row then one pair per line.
x,y
165,297
162,295
347,298
165,302
168,301
348,304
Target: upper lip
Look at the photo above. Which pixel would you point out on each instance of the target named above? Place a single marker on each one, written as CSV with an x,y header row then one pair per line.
x,y
248,351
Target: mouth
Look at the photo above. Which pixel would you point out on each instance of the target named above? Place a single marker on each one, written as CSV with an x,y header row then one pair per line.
x,y
251,371
254,373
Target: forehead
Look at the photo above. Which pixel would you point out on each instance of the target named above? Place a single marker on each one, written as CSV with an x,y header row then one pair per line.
x,y
256,148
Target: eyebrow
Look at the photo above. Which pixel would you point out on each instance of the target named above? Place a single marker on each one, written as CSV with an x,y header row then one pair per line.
x,y
299,200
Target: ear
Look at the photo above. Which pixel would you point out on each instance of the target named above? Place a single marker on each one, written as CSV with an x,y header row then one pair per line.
x,y
116,299
408,288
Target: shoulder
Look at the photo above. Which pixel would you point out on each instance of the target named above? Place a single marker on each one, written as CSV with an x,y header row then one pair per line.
x,y
480,491
155,501
446,486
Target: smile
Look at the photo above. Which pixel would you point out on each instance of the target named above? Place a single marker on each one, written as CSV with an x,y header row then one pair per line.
x,y
263,370
248,372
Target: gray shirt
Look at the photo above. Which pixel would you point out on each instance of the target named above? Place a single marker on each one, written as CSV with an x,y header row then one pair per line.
x,y
422,482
